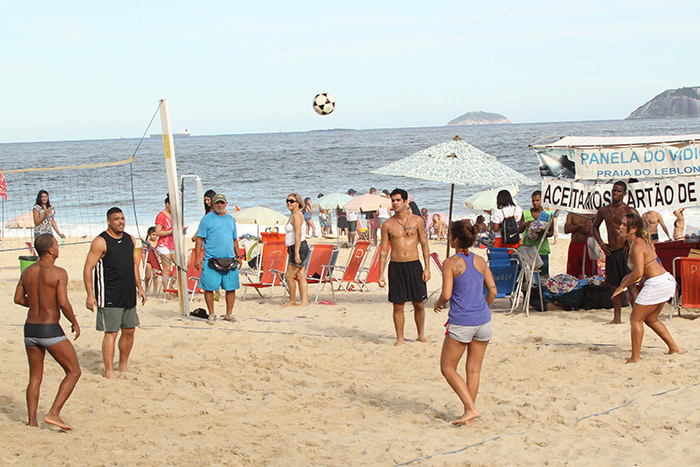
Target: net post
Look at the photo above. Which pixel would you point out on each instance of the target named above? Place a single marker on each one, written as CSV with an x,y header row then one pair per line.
x,y
175,210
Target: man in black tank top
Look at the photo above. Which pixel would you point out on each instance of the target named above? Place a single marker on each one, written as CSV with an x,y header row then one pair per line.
x,y
112,280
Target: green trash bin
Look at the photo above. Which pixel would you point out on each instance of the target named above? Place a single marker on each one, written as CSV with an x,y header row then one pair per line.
x,y
26,261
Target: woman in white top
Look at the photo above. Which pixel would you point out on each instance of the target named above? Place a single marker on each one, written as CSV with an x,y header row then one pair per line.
x,y
506,208
297,249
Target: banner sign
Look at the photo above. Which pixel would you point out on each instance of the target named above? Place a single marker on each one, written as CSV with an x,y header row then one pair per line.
x,y
578,197
606,163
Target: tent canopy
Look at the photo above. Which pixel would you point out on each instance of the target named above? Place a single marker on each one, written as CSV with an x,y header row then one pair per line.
x,y
613,141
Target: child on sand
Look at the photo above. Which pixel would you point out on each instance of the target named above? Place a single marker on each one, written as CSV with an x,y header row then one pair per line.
x,y
469,320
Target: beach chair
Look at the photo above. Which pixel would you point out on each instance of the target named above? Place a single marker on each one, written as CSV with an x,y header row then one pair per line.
x,y
152,259
31,249
505,271
371,274
193,275
688,292
274,256
350,270
319,266
436,261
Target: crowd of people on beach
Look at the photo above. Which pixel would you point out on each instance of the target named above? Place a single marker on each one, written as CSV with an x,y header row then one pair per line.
x,y
112,276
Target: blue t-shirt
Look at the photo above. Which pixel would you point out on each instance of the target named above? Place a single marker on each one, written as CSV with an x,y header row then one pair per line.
x,y
219,233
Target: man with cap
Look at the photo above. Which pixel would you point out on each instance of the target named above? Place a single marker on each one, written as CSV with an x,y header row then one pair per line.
x,y
352,220
217,233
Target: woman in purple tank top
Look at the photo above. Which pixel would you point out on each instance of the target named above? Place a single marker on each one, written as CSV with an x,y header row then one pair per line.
x,y
469,322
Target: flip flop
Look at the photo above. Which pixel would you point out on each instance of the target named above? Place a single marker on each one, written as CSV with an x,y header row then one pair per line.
x,y
229,318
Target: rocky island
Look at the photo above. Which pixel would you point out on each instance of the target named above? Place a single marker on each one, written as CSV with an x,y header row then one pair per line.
x,y
478,118
672,103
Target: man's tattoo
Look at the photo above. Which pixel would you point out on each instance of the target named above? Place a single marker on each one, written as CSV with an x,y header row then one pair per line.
x,y
382,255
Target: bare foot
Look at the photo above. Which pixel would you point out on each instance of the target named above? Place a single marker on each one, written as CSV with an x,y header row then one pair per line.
x,y
304,303
633,360
123,370
289,304
677,350
56,420
468,418
111,375
398,342
33,423
423,339
170,296
615,321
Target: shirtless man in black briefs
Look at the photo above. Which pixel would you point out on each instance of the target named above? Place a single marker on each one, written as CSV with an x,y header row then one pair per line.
x,y
43,289
407,279
616,250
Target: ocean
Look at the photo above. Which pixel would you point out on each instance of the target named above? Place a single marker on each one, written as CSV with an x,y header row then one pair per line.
x,y
261,169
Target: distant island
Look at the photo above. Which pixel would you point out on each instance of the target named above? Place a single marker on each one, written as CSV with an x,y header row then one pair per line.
x,y
478,118
672,103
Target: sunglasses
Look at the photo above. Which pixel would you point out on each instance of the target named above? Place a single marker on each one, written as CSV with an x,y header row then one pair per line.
x,y
291,201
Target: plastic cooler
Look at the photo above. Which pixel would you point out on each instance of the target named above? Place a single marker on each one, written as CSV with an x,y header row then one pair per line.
x,y
26,261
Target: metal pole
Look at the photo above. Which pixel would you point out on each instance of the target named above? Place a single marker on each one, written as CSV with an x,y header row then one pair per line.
x,y
449,220
174,193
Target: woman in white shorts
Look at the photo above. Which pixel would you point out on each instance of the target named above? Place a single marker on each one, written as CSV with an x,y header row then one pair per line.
x,y
659,286
464,276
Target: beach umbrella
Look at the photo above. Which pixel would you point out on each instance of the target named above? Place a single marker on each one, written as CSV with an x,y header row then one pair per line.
x,y
23,221
259,215
333,200
486,200
366,203
458,163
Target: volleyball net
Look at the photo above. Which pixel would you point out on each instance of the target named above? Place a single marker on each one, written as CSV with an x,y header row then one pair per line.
x,y
80,196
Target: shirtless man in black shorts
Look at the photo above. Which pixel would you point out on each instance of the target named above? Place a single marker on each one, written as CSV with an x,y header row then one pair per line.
x,y
616,250
407,279
43,288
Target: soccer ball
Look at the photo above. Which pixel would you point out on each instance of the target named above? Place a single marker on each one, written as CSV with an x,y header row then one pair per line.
x,y
324,103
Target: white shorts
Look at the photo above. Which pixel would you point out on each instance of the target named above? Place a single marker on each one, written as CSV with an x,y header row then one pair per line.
x,y
164,250
658,289
465,334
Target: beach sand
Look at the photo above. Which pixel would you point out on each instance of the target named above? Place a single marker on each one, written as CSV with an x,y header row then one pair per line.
x,y
324,385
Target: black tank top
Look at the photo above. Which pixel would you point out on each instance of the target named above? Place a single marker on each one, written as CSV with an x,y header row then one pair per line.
x,y
115,284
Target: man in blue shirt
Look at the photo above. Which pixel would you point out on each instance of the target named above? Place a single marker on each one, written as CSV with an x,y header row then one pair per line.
x,y
217,233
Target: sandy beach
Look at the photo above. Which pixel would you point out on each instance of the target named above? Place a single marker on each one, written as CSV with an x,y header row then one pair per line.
x,y
324,385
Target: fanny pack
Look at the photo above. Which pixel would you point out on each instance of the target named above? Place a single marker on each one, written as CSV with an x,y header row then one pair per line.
x,y
223,265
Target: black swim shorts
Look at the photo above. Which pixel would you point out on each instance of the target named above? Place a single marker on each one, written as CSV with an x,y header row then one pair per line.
x,y
616,267
406,282
43,335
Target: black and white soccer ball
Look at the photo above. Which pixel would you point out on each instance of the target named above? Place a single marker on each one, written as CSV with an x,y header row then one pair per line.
x,y
324,103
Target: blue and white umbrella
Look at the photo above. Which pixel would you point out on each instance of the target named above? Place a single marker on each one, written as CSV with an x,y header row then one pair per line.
x,y
458,163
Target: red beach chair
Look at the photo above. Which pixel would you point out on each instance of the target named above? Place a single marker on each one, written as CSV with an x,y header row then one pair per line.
x,y
350,270
372,272
689,289
274,257
193,276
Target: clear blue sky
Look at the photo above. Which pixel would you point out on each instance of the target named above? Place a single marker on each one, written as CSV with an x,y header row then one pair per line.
x,y
87,69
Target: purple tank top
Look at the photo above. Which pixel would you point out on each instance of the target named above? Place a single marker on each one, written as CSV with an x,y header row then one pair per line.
x,y
468,305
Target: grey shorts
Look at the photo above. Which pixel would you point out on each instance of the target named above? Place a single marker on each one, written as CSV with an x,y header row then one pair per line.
x,y
465,334
113,319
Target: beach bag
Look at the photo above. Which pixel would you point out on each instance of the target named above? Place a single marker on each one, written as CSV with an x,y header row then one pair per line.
x,y
223,265
509,231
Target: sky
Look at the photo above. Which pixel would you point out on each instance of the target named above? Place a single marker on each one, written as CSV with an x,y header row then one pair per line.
x,y
92,70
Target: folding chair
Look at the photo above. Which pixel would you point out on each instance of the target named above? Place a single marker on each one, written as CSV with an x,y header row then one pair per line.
x,y
193,275
372,272
504,269
689,289
529,256
436,261
319,266
274,257
31,249
350,270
